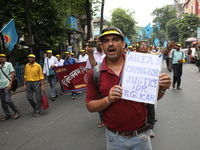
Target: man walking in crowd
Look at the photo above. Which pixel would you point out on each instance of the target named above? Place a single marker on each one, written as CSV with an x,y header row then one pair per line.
x,y
49,63
7,71
60,60
34,83
176,58
125,120
95,58
60,63
83,56
198,57
68,61
73,55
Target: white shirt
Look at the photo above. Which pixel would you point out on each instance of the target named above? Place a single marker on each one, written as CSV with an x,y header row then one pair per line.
x,y
82,58
61,62
51,61
99,58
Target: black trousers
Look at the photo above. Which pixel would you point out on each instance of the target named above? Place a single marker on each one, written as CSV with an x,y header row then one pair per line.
x,y
151,114
177,69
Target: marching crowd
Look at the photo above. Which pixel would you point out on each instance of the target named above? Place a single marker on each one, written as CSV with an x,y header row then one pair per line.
x,y
128,124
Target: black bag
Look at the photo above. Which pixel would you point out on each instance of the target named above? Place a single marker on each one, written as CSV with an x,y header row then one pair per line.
x,y
14,83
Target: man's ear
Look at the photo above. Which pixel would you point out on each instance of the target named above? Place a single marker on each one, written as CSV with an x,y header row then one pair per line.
x,y
123,44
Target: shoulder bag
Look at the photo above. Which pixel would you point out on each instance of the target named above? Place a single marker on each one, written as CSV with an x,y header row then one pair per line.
x,y
14,82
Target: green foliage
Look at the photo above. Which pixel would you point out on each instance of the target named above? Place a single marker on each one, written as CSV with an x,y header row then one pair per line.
x,y
122,19
164,14
187,26
172,30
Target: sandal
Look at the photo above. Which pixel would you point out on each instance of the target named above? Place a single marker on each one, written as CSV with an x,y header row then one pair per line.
x,y
16,115
6,118
100,124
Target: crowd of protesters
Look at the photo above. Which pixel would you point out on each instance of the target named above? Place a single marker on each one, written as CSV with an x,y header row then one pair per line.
x,y
119,116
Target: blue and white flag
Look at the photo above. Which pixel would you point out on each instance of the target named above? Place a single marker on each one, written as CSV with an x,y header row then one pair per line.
x,y
10,35
148,30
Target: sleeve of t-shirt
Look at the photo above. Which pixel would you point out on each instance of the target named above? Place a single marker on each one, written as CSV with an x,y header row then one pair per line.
x,y
11,68
91,93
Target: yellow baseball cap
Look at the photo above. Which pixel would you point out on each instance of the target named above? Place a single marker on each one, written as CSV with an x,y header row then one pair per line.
x,y
67,52
111,30
82,50
31,56
57,55
130,46
72,54
178,45
2,55
49,51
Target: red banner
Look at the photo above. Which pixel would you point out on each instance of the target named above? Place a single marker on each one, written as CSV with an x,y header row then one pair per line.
x,y
72,77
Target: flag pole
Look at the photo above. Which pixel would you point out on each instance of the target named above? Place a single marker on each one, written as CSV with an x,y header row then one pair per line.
x,y
3,42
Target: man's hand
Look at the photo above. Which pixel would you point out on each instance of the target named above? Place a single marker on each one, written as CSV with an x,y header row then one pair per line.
x,y
115,93
10,86
164,81
88,49
42,88
180,60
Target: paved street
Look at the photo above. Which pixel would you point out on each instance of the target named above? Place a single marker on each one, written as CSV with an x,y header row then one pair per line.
x,y
67,125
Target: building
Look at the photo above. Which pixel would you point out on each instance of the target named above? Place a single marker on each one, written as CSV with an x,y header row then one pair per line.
x,y
192,6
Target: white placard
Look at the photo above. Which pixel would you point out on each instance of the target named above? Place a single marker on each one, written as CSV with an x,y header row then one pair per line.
x,y
141,76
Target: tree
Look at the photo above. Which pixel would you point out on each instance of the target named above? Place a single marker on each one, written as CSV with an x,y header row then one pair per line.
x,y
187,26
164,14
172,30
122,19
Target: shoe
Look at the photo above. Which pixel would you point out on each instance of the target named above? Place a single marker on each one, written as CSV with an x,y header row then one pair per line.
x,y
79,92
179,88
16,115
151,133
73,96
100,124
38,114
53,99
61,93
6,118
173,85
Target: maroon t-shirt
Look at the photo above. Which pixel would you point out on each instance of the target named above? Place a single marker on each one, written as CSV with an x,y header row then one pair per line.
x,y
122,115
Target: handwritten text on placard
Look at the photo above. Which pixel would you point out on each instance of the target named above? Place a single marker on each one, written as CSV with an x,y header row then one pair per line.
x,y
140,77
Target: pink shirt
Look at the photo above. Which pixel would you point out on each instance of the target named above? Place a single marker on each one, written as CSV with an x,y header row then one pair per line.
x,y
99,58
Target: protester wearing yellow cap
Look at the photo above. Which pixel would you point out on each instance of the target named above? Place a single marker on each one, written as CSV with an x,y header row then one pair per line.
x,y
60,60
83,56
68,61
34,83
49,63
176,63
5,86
74,56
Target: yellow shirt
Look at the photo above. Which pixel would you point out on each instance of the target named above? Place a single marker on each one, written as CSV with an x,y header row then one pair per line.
x,y
33,72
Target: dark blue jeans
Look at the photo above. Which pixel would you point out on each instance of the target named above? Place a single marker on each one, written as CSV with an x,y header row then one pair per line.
x,y
177,69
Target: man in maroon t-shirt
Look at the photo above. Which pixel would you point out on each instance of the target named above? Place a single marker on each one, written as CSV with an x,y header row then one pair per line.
x,y
125,120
